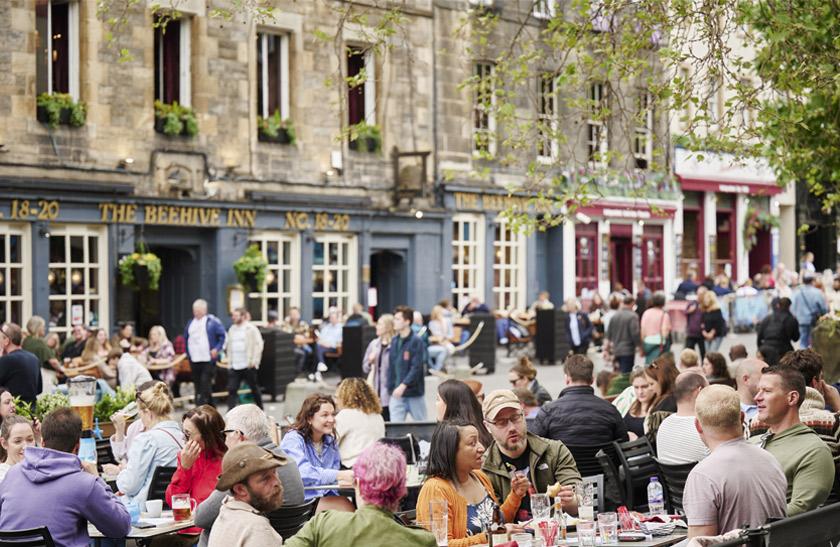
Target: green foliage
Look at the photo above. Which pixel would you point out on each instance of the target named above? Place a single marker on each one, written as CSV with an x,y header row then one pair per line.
x,y
252,262
54,103
108,404
44,405
754,222
361,132
140,258
178,119
272,126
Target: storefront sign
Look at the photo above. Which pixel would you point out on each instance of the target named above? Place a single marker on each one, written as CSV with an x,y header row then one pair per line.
x,y
490,202
318,221
172,215
721,172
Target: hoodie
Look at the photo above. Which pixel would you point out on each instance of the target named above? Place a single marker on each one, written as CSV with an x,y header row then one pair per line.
x,y
49,488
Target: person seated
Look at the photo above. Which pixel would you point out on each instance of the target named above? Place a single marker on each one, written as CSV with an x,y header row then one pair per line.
x,y
530,406
359,316
525,375
123,437
379,480
689,286
311,442
359,423
329,338
542,302
690,360
456,401
73,347
248,423
51,487
303,343
454,475
126,340
16,434
248,474
677,440
125,368
716,370
160,352
440,339
477,389
475,306
737,353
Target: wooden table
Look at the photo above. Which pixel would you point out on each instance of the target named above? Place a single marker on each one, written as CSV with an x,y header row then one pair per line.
x,y
165,526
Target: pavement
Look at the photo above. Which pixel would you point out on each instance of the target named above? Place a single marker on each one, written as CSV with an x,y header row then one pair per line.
x,y
550,376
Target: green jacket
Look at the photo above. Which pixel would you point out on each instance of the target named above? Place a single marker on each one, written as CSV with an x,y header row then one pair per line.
x,y
369,525
807,463
550,462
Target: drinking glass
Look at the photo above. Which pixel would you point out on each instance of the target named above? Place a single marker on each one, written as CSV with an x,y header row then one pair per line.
x,y
540,507
586,533
182,507
608,523
585,492
439,513
522,540
429,525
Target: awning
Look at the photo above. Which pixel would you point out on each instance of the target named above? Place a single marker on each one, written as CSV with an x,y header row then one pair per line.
x,y
721,172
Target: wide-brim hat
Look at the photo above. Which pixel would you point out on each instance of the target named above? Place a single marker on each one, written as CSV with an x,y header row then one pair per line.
x,y
243,460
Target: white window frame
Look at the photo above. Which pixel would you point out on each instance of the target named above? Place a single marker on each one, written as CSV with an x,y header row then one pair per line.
x,y
643,132
72,48
547,85
472,261
24,297
370,80
597,138
545,9
103,271
284,73
348,293
713,102
745,114
487,71
508,295
184,58
290,293
481,2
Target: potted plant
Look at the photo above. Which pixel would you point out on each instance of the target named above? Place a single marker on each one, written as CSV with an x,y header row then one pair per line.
x,y
174,119
365,138
275,129
754,222
141,269
102,411
251,269
60,108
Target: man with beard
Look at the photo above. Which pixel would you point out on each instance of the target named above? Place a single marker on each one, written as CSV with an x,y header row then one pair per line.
x,y
248,471
544,461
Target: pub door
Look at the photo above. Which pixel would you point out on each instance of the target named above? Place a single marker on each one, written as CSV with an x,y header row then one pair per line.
x,y
389,274
171,305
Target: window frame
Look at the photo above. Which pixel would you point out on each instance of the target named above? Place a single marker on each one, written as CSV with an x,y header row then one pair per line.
x,y
23,232
487,71
184,60
369,86
73,64
350,292
545,9
549,119
597,138
262,73
291,293
517,266
461,294
644,133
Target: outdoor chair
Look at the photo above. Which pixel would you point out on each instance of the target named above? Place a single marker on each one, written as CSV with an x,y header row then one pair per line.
x,y
161,477
673,478
584,454
104,454
287,521
407,443
406,518
599,503
638,466
613,487
33,537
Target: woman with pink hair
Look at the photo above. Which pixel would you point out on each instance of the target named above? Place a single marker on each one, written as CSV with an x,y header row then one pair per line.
x,y
379,479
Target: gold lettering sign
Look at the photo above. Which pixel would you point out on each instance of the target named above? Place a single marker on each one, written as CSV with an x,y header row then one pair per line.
x,y
466,201
489,202
173,215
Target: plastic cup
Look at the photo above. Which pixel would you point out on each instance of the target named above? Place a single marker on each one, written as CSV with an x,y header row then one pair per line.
x,y
608,523
522,540
586,533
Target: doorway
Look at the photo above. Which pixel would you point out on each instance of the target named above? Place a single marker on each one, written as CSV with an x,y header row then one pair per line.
x,y
389,275
621,269
171,305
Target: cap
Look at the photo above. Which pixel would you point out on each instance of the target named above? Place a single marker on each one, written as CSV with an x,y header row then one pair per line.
x,y
243,460
273,315
497,400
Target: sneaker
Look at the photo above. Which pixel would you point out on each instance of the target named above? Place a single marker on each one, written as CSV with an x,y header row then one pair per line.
x,y
503,341
322,367
311,377
318,377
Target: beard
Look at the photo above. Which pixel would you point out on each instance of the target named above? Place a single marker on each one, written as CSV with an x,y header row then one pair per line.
x,y
267,504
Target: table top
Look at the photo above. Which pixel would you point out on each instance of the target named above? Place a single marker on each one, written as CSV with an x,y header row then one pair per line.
x,y
349,486
163,525
655,541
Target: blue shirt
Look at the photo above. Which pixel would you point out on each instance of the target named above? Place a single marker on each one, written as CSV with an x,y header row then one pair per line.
x,y
314,470
157,447
331,334
807,301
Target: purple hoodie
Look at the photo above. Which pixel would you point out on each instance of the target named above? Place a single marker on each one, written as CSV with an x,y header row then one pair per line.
x,y
49,488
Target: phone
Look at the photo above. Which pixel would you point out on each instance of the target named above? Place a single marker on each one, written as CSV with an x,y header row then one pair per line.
x,y
143,525
631,537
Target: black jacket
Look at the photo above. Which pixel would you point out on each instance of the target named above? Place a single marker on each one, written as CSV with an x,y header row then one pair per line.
x,y
540,393
578,416
778,330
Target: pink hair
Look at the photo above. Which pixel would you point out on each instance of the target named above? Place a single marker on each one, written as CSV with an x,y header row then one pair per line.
x,y
381,472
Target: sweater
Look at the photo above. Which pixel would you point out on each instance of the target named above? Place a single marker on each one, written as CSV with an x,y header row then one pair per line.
x,y
439,489
807,464
48,488
254,344
369,525
315,470
199,481
356,431
157,447
578,416
240,525
380,377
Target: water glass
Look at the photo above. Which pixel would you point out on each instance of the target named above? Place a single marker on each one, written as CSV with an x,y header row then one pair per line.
x,y
585,492
608,523
439,513
522,540
429,525
586,533
540,507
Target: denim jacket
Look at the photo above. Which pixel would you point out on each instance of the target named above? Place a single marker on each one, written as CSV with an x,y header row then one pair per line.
x,y
156,447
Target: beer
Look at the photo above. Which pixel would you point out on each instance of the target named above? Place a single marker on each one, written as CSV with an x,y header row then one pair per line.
x,y
181,513
182,507
496,533
82,405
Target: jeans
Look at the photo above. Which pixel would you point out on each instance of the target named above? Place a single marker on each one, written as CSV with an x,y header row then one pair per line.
x,y
502,325
692,341
713,344
302,355
400,407
626,362
235,378
437,356
321,351
804,336
202,374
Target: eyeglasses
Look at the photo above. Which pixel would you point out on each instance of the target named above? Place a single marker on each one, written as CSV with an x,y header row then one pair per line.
x,y
3,330
513,382
187,435
226,431
515,419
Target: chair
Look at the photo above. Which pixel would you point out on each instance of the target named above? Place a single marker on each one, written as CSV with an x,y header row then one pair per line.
x,y
287,521
406,518
599,503
409,446
638,465
33,537
103,453
584,454
613,487
161,478
673,478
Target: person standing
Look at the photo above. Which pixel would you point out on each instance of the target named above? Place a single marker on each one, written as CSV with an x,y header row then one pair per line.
x,y
808,305
694,322
205,338
20,371
406,378
623,335
244,346
578,327
656,328
779,328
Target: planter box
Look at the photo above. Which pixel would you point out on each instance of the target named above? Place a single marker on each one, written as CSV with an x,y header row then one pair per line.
x,y
63,116
161,122
371,145
281,138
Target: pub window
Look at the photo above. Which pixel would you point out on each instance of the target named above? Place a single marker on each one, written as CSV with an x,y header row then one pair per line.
x,y
361,82
467,258
78,277
273,74
508,267
281,290
484,122
643,133
172,61
14,261
547,119
745,115
334,268
713,101
544,9
597,138
57,46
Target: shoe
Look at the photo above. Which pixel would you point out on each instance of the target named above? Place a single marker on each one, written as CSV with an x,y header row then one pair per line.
x,y
503,341
311,377
322,367
318,377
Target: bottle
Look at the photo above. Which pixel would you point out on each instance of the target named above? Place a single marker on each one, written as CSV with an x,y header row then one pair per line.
x,y
496,533
656,499
561,520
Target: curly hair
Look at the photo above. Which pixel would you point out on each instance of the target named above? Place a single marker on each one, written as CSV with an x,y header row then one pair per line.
x,y
210,426
381,472
524,368
357,393
718,362
311,405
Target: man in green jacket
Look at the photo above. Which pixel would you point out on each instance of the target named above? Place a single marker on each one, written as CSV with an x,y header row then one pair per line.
x,y
805,458
514,448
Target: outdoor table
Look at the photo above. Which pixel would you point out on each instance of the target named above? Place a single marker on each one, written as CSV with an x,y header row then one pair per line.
x,y
163,525
655,541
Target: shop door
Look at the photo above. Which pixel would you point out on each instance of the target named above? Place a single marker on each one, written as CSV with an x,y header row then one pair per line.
x,y
171,306
389,275
692,244
652,258
621,269
762,252
586,258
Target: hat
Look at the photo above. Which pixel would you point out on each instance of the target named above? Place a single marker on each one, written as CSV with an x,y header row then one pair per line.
x,y
497,400
243,460
273,315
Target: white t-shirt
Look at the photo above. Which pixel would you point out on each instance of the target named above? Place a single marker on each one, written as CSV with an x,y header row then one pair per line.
x,y
238,353
199,345
677,441
4,468
356,431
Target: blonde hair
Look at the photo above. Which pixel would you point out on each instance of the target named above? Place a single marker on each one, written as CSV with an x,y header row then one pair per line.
x,y
388,319
34,325
524,368
437,311
157,399
718,408
713,301
689,357
163,339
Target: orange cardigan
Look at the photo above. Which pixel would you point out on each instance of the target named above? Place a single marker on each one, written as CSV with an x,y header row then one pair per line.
x,y
439,489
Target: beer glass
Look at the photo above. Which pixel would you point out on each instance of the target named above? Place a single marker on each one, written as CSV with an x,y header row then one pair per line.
x,y
182,507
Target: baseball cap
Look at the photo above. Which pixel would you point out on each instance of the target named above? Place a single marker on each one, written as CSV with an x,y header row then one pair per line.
x,y
243,460
497,400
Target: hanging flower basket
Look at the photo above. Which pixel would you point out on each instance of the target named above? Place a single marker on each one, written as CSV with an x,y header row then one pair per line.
x,y
141,270
251,269
754,222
